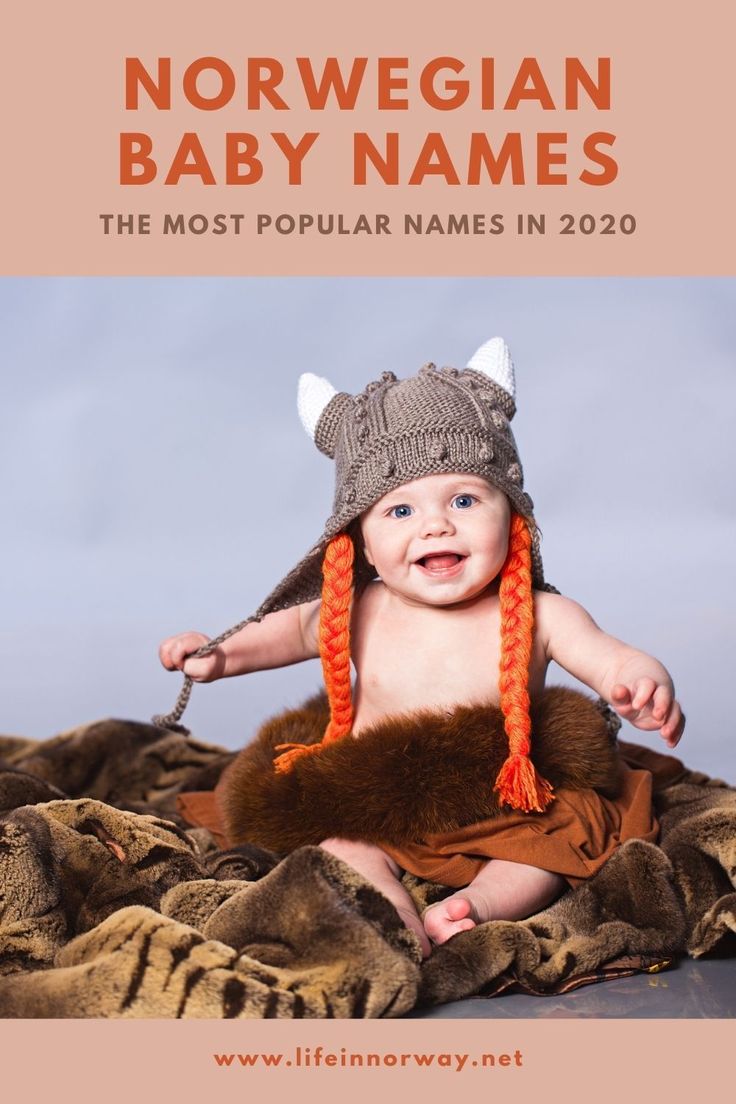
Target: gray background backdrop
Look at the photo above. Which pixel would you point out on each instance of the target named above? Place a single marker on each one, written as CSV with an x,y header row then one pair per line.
x,y
156,477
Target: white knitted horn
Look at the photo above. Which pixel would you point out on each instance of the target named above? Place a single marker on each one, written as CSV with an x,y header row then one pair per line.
x,y
493,359
312,397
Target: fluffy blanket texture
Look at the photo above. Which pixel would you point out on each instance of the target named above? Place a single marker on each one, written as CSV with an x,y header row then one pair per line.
x,y
111,907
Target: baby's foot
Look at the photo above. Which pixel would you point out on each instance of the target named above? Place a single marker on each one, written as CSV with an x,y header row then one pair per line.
x,y
457,913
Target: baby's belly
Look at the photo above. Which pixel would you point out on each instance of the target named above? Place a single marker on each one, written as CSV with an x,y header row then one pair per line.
x,y
370,708
374,703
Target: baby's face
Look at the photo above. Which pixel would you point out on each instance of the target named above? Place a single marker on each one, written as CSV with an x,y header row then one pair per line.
x,y
439,540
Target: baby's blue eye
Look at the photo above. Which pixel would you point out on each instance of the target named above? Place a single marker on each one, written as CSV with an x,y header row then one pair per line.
x,y
401,511
463,501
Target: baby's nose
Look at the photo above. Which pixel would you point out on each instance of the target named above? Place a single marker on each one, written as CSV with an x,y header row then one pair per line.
x,y
438,524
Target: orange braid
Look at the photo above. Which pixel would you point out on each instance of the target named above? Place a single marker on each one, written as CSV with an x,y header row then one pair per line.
x,y
334,634
334,649
518,784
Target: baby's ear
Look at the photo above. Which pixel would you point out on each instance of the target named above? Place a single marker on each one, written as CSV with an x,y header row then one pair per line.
x,y
321,408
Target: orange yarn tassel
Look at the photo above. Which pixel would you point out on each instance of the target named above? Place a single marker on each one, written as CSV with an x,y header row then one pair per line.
x,y
518,783
284,763
519,786
334,650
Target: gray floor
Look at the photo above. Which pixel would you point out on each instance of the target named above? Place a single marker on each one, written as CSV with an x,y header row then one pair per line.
x,y
692,989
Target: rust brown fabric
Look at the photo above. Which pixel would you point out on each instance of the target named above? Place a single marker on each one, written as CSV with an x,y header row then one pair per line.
x,y
573,837
199,809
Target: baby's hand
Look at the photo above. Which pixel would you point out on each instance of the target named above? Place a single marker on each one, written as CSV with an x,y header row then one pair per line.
x,y
650,706
175,650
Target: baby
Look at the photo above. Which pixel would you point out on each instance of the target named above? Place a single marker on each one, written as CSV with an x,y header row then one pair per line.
x,y
449,583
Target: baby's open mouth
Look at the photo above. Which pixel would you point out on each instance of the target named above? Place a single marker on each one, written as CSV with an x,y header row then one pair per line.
x,y
440,561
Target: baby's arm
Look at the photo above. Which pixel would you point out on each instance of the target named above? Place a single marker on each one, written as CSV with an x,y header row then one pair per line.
x,y
281,638
634,683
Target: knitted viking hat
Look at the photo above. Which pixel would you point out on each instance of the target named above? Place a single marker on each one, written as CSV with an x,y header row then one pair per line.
x,y
395,431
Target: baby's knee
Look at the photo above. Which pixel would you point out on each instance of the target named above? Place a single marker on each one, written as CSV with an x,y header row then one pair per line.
x,y
357,852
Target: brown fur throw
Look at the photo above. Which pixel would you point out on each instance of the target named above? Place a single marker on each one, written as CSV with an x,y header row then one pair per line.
x,y
407,777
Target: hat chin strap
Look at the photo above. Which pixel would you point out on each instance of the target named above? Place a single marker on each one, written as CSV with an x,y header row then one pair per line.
x,y
518,783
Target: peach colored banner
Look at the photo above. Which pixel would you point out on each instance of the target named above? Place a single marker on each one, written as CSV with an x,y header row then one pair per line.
x,y
571,1060
654,117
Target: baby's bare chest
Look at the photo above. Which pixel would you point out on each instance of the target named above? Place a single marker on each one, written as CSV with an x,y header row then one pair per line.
x,y
422,659
390,653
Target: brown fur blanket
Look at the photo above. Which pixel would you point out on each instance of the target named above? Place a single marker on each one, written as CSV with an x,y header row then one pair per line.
x,y
111,907
409,776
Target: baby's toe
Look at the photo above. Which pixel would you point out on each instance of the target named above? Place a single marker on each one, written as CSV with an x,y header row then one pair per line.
x,y
458,908
448,918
